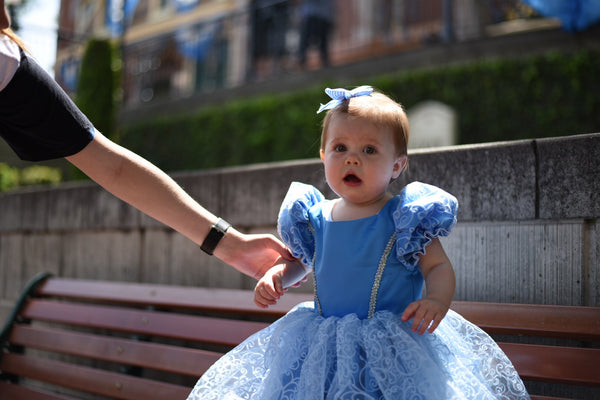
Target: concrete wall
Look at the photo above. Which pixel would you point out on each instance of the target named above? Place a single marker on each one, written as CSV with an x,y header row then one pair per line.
x,y
528,226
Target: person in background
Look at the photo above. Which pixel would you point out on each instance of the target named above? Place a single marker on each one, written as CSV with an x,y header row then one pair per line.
x,y
316,24
269,23
40,122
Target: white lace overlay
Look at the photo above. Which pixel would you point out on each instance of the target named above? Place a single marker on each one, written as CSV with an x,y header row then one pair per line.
x,y
306,356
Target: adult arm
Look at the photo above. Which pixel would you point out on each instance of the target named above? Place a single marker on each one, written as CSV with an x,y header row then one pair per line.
x,y
147,188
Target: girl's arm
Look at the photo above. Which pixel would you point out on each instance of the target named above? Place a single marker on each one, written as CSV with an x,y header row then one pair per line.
x,y
276,281
143,185
440,283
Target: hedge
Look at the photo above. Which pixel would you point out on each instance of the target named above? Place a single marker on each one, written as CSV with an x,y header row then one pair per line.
x,y
12,177
504,99
96,91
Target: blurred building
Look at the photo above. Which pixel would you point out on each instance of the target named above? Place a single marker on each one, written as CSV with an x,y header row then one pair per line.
x,y
173,49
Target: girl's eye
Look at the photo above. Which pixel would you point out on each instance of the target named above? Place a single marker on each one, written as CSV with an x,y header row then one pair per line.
x,y
369,150
340,148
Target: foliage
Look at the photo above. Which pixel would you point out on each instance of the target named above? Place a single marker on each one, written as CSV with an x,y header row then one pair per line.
x,y
543,96
39,175
540,96
11,177
96,91
267,128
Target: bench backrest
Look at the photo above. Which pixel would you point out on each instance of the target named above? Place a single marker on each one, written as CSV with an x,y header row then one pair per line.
x,y
574,332
123,340
146,341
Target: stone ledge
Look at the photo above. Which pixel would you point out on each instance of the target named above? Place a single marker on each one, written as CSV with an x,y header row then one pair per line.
x,y
506,181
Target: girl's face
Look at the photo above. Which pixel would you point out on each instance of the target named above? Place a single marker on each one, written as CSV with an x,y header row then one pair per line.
x,y
360,160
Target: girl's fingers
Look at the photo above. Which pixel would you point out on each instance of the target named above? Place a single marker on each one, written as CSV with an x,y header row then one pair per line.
x,y
409,311
436,322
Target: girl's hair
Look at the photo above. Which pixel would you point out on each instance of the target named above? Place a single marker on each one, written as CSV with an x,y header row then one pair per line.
x,y
380,110
13,36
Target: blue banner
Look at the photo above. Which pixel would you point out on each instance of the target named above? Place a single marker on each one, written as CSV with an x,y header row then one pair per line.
x,y
195,42
118,13
575,15
185,5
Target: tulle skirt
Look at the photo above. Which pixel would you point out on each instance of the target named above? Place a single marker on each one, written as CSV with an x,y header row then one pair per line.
x,y
306,356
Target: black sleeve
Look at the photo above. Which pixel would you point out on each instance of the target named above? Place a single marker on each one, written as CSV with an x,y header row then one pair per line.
x,y
38,119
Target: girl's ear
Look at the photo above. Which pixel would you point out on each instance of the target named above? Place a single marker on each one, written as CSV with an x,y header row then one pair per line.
x,y
322,154
399,166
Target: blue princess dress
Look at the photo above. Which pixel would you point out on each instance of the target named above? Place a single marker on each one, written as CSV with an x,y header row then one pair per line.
x,y
350,343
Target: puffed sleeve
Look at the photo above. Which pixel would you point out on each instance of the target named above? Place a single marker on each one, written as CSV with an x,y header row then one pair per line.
x,y
293,222
424,212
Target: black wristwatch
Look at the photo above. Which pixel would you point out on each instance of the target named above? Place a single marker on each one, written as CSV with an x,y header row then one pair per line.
x,y
217,231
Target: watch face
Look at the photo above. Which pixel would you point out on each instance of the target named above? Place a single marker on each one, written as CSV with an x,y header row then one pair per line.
x,y
216,233
222,225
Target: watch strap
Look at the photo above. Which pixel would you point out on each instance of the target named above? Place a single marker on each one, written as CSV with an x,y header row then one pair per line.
x,y
216,233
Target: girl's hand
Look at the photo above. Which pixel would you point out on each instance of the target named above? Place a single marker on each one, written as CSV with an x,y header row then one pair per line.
x,y
439,282
270,287
427,313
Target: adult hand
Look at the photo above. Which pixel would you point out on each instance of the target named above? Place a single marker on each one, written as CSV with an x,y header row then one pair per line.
x,y
252,254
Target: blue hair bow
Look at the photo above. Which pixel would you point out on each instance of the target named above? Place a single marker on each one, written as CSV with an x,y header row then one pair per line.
x,y
338,95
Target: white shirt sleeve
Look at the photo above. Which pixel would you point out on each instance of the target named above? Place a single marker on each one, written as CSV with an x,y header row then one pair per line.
x,y
10,58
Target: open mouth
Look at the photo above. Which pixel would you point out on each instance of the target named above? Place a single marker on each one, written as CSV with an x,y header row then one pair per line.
x,y
352,179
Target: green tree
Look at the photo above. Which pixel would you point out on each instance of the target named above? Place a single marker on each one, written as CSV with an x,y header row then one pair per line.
x,y
9,177
98,80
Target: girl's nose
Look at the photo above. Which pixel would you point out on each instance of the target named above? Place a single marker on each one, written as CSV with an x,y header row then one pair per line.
x,y
352,159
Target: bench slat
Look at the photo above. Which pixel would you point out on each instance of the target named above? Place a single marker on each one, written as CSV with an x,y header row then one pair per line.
x,y
157,356
581,323
206,329
168,296
569,365
112,311
91,380
533,320
17,392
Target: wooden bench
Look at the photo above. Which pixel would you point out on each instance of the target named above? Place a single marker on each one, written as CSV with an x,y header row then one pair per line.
x,y
74,339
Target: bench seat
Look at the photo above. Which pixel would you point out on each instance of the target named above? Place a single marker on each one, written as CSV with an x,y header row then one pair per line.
x,y
74,339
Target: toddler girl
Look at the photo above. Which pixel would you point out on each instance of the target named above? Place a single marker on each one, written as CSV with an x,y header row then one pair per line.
x,y
368,334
